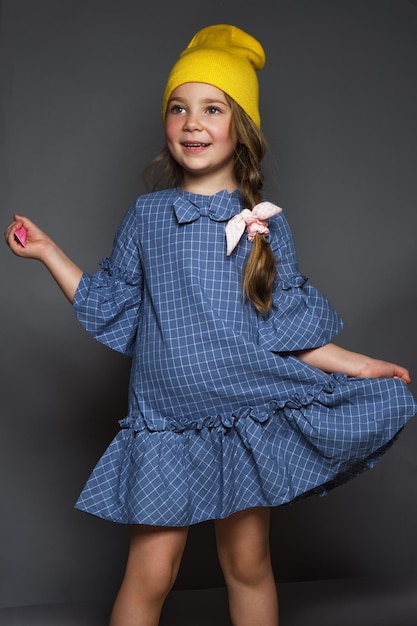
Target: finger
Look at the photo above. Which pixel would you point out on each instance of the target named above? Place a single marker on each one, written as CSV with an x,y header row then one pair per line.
x,y
17,222
11,229
404,377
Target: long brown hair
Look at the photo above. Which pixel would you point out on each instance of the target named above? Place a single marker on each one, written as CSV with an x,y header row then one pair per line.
x,y
251,148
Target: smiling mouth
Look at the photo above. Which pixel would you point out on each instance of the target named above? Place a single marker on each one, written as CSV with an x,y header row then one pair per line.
x,y
195,145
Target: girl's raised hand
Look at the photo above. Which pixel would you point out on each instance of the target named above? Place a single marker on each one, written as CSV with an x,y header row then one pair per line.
x,y
37,245
35,241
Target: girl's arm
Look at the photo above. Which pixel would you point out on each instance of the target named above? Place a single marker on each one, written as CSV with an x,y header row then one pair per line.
x,y
332,358
41,247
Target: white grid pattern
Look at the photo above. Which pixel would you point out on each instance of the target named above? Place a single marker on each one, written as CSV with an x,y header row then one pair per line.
x,y
221,416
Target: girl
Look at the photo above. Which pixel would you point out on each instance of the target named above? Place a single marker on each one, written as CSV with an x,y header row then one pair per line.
x,y
238,400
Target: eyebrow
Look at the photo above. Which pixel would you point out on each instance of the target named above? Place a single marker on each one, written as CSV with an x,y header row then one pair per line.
x,y
203,101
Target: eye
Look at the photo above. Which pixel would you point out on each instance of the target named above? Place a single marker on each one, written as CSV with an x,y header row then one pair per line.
x,y
212,110
176,109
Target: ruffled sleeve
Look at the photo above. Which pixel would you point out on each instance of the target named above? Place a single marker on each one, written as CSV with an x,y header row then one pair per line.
x,y
107,303
300,317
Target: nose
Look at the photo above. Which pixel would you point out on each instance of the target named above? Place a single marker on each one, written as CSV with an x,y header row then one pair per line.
x,y
192,122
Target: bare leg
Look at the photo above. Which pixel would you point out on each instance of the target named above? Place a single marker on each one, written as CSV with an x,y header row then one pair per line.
x,y
243,548
154,558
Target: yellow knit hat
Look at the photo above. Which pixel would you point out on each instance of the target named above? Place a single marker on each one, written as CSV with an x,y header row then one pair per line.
x,y
226,57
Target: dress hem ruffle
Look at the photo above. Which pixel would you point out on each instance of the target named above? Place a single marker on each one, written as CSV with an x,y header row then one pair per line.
x,y
171,474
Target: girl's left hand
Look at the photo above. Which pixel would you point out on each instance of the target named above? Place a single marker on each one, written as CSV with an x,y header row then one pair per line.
x,y
375,368
332,358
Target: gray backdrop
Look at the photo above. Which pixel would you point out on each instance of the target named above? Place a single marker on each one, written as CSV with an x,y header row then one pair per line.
x,y
80,118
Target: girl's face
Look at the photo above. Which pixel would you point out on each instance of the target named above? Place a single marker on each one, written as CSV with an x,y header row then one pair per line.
x,y
201,137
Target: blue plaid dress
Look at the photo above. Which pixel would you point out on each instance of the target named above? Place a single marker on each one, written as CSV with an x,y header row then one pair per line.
x,y
222,416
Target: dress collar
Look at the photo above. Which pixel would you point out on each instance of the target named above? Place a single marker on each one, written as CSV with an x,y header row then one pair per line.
x,y
220,207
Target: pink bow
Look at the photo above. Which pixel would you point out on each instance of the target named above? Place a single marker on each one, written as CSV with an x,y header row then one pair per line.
x,y
255,221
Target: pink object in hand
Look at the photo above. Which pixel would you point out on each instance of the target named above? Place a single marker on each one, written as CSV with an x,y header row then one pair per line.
x,y
20,235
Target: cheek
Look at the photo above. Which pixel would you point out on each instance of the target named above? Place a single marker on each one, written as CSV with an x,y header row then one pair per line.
x,y
170,129
228,134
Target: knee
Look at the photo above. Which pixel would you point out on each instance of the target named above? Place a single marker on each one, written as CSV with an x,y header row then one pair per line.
x,y
151,579
246,569
154,560
150,583
157,580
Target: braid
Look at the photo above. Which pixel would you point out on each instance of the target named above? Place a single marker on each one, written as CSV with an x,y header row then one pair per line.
x,y
260,268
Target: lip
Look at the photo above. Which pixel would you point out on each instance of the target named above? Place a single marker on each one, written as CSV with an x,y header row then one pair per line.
x,y
195,147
